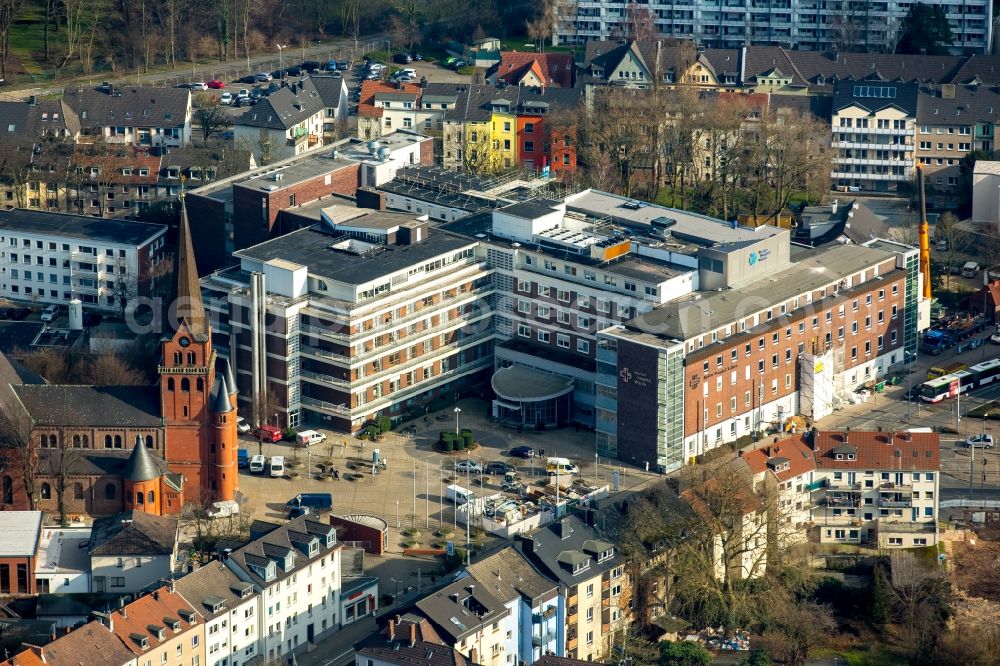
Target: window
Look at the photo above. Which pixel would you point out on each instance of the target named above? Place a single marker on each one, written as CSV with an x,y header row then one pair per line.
x,y
543,336
583,346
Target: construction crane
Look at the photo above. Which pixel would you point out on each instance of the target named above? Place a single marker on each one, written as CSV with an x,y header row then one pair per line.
x,y
924,234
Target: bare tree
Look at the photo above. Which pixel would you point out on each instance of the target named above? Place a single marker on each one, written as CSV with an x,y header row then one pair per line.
x,y
953,238
109,369
125,287
9,10
640,24
797,628
208,531
211,118
21,448
540,28
66,467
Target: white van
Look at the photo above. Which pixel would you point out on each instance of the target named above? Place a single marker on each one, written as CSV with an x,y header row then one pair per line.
x,y
310,437
257,464
50,313
459,495
560,466
277,465
970,269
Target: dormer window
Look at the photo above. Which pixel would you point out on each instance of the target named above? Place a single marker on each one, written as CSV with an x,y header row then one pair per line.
x,y
143,172
606,555
581,566
156,630
173,623
140,640
173,172
127,171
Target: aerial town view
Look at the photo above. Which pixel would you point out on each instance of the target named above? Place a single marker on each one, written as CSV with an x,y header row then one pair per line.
x,y
499,333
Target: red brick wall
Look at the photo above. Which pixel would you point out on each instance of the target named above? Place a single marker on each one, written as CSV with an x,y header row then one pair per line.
x,y
348,530
427,152
11,563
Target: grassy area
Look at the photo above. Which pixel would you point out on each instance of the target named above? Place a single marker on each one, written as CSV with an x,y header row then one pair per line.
x,y
879,657
27,40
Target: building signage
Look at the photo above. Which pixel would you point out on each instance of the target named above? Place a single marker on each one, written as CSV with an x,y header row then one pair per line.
x,y
635,377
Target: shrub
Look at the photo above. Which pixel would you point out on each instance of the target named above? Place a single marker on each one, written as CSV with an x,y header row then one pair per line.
x,y
468,438
385,424
468,70
288,435
448,445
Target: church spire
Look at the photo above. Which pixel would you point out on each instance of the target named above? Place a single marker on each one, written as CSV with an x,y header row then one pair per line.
x,y
188,307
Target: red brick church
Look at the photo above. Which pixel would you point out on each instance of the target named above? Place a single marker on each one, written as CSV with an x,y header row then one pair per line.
x,y
107,449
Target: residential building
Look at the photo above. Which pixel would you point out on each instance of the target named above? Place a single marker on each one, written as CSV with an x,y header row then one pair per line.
x,y
406,640
159,628
134,116
131,551
591,581
230,608
55,257
739,543
295,572
473,620
19,551
800,25
89,433
292,120
784,473
879,489
357,339
873,125
33,119
63,561
386,107
535,70
532,602
952,121
243,210
92,643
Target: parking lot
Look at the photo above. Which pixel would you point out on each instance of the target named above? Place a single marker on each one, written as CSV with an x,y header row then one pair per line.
x,y
410,492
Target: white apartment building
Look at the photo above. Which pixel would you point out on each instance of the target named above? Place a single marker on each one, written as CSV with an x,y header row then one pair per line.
x,y
473,620
873,126
785,471
230,608
295,571
879,489
50,257
375,314
817,25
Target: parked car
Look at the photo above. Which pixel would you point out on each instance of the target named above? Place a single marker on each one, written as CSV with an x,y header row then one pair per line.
x,y
459,495
416,56
498,467
242,458
343,64
995,338
268,433
405,78
277,465
263,76
304,503
50,313
243,94
294,70
279,73
215,84
271,89
311,65
458,64
227,98
560,466
402,58
983,441
19,314
331,66
200,85
92,318
249,78
522,452
468,466
242,425
310,437
258,93
257,464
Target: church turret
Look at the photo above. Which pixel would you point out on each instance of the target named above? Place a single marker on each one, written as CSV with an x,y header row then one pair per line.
x,y
141,480
225,473
230,381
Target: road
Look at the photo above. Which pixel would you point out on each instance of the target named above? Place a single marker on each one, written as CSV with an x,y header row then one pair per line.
x,y
892,411
337,48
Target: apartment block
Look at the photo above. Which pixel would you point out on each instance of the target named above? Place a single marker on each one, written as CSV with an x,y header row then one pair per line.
x,y
808,25
373,313
879,489
873,125
785,473
472,619
55,257
229,607
133,116
295,572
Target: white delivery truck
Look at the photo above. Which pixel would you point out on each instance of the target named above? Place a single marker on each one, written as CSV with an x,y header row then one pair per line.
x,y
310,437
560,466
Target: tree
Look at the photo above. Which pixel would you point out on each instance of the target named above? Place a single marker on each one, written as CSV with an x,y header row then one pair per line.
x,y
926,30
881,597
66,465
208,531
21,448
640,23
108,369
9,10
798,627
684,653
954,238
211,118
540,28
757,658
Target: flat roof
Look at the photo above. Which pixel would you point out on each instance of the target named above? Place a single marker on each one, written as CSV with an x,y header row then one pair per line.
x,y
702,312
522,384
311,247
80,227
63,551
21,532
532,208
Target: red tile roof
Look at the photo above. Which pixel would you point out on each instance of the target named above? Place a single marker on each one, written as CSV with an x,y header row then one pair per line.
x,y
553,68
795,451
92,643
136,617
366,104
877,450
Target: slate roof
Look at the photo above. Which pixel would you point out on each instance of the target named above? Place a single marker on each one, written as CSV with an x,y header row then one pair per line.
x,y
81,227
285,108
276,541
32,121
92,406
93,643
970,104
393,645
226,162
133,533
130,106
553,547
113,162
900,451
22,533
141,465
91,462
905,96
460,609
329,89
509,575
211,584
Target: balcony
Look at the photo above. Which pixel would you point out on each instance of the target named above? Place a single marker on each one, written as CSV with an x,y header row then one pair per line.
x,y
888,487
327,407
544,639
840,501
841,486
907,147
895,502
872,130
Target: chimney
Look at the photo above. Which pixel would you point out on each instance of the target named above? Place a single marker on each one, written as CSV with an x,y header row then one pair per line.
x,y
833,207
172,585
413,634
32,100
423,81
37,650
392,629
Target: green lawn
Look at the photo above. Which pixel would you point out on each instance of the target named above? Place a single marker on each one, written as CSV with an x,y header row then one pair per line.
x,y
27,40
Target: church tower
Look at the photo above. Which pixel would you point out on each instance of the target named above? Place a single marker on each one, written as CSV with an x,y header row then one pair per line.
x,y
188,383
141,481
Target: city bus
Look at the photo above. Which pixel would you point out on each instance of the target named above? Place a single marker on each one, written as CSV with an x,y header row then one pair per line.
x,y
963,381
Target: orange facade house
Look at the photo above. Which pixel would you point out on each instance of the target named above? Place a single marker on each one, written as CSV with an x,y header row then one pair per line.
x,y
101,450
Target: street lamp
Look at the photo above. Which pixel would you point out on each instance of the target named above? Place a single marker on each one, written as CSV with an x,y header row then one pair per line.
x,y
281,65
397,514
458,410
